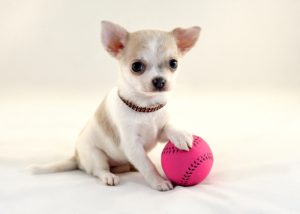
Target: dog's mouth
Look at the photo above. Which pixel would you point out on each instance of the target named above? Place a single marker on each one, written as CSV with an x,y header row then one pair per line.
x,y
152,91
159,90
156,91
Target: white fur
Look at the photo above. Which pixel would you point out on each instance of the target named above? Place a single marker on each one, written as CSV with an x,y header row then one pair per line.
x,y
138,132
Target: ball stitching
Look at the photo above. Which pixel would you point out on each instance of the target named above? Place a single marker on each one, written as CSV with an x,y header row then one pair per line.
x,y
193,166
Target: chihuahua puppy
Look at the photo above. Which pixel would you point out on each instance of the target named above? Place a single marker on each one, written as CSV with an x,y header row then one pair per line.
x,y
133,117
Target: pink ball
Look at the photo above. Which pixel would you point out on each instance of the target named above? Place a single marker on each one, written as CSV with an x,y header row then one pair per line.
x,y
187,168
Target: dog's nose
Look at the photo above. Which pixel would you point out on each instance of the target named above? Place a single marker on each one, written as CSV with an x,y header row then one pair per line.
x,y
159,83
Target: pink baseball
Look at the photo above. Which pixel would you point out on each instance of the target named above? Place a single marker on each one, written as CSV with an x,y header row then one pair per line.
x,y
187,168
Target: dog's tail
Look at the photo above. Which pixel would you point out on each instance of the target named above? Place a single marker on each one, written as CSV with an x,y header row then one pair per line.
x,y
61,166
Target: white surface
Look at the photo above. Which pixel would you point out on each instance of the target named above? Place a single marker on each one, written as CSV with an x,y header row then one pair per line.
x,y
254,136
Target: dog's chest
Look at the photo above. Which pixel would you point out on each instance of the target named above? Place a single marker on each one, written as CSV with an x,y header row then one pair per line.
x,y
147,128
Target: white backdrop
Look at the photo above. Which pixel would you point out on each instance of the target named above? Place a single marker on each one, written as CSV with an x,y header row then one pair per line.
x,y
240,85
47,43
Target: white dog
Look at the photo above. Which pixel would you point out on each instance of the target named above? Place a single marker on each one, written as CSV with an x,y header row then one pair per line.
x,y
133,117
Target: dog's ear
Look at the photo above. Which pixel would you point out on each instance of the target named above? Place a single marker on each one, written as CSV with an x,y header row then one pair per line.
x,y
113,37
186,38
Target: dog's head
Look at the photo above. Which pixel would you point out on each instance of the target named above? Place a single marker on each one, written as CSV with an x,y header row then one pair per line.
x,y
148,58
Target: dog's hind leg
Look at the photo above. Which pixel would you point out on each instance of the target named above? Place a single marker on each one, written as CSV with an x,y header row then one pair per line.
x,y
94,161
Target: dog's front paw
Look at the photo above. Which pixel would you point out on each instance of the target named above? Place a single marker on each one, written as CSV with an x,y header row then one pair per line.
x,y
162,185
110,179
182,140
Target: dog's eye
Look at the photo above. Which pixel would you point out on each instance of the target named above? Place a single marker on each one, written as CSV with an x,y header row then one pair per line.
x,y
173,64
138,67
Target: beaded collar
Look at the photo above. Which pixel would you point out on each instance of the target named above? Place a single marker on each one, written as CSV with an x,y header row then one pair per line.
x,y
141,109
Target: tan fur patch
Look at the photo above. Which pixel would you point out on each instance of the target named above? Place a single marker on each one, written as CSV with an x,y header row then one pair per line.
x,y
123,168
139,41
106,123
